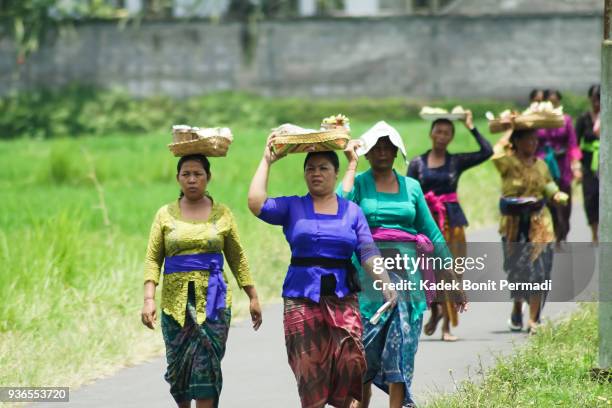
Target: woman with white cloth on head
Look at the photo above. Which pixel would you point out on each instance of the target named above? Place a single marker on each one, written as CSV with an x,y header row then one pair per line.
x,y
401,224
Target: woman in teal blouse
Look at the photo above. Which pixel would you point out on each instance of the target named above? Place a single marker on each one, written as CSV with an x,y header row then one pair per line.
x,y
401,223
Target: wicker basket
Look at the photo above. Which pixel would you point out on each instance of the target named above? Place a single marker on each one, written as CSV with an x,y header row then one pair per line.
x,y
496,126
448,116
183,135
531,121
312,142
214,146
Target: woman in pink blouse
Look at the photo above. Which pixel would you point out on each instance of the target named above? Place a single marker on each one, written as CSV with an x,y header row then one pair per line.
x,y
563,145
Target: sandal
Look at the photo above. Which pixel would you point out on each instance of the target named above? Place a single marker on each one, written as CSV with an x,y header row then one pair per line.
x,y
515,323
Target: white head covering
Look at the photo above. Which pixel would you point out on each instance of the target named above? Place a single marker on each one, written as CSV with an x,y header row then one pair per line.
x,y
380,129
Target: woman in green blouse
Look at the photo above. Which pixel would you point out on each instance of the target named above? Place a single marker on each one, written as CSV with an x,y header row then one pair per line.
x,y
401,225
189,238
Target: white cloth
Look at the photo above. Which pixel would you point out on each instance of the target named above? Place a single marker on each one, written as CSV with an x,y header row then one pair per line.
x,y
380,129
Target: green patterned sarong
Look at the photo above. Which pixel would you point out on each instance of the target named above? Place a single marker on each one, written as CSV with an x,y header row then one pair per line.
x,y
194,353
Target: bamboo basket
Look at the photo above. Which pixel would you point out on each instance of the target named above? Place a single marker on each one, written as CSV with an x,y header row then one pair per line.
x,y
312,142
183,135
530,121
213,146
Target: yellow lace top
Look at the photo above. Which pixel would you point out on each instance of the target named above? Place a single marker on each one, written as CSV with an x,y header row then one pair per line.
x,y
171,235
520,180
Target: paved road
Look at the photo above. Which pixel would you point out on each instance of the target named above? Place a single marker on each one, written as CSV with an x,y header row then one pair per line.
x,y
256,370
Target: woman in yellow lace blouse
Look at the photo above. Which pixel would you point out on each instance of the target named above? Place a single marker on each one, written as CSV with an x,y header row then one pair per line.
x,y
526,224
189,238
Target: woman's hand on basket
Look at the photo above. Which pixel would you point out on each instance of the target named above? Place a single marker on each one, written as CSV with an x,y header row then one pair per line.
x,y
508,121
149,313
255,310
269,155
469,120
351,151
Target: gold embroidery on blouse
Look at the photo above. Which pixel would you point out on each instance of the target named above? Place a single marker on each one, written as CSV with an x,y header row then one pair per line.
x,y
520,180
171,235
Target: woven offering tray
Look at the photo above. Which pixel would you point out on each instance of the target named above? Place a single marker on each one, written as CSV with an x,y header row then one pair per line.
x,y
429,113
293,139
527,122
538,116
211,142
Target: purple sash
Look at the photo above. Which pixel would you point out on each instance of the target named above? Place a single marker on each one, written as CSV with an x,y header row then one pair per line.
x,y
211,262
423,246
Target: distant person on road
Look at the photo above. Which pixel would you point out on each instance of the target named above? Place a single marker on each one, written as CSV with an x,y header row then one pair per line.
x,y
588,130
322,324
562,145
189,237
402,225
438,172
526,226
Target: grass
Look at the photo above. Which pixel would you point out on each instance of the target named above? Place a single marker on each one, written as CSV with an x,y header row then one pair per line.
x,y
551,370
71,286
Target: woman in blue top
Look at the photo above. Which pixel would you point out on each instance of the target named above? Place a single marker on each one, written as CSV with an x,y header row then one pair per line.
x,y
321,312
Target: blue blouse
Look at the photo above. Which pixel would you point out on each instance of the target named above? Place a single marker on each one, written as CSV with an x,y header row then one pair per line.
x,y
311,234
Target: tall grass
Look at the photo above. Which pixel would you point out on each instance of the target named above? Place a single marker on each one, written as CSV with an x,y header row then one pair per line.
x,y
552,370
67,308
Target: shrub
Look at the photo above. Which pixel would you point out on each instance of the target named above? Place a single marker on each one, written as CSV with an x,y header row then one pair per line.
x,y
78,110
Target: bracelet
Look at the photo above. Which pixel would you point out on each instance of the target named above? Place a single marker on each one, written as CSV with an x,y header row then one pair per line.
x,y
149,298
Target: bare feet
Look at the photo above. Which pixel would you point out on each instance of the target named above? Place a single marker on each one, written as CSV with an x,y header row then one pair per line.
x,y
532,327
446,336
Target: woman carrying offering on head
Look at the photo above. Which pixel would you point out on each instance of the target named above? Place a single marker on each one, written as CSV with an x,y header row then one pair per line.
x,y
322,324
561,144
402,226
526,226
438,172
189,238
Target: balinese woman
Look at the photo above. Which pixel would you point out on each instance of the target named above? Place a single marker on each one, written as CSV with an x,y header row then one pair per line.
x,y
588,131
189,237
321,312
401,224
561,146
526,226
439,171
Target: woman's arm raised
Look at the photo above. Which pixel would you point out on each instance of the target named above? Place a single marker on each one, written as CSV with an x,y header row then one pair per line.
x,y
258,191
348,181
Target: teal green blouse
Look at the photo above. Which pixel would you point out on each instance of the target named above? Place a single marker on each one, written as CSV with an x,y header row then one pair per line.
x,y
405,210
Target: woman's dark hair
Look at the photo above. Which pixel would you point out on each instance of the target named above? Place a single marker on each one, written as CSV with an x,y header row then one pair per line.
x,y
594,90
533,93
194,157
200,158
550,92
329,155
443,121
519,134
